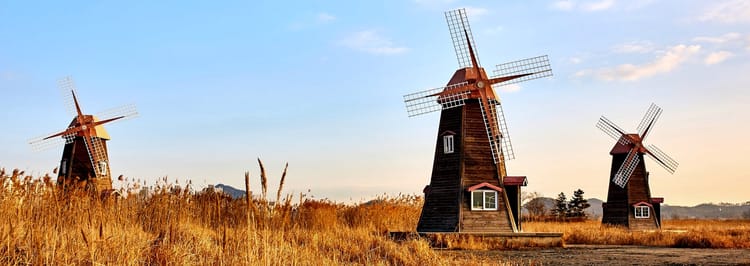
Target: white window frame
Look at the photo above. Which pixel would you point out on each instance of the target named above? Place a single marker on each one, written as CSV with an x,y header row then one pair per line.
x,y
486,205
103,167
448,144
64,167
644,212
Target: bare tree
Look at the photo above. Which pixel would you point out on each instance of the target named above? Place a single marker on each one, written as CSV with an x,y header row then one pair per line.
x,y
534,204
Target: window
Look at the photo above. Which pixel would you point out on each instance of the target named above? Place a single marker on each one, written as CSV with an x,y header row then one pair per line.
x,y
103,167
484,200
641,212
448,144
64,167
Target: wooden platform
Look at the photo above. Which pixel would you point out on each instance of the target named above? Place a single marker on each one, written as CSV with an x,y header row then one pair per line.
x,y
484,241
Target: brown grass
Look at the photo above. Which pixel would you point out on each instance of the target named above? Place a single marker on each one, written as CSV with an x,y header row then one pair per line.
x,y
674,233
173,226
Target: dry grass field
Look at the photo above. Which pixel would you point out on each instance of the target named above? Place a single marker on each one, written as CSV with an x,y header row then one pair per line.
x,y
674,233
171,226
41,225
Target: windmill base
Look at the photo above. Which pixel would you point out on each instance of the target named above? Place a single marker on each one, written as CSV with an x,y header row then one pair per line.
x,y
484,241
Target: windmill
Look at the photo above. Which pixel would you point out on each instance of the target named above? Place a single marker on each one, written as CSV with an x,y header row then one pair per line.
x,y
85,162
469,188
629,202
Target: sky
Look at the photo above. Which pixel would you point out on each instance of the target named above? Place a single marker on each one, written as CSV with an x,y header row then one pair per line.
x,y
320,85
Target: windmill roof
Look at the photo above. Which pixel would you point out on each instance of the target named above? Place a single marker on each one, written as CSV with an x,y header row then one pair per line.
x,y
620,148
515,181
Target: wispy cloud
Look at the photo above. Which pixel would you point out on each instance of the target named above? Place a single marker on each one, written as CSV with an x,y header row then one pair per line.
x,y
510,88
598,5
476,13
325,17
370,41
564,5
717,57
588,5
732,11
634,47
575,60
664,63
720,39
310,21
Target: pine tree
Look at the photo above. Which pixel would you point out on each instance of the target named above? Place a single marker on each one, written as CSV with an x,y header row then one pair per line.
x,y
561,206
578,205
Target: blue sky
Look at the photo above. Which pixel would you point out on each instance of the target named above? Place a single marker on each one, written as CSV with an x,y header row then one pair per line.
x,y
319,84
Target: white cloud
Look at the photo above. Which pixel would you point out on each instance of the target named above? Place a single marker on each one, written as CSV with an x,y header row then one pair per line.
x,y
575,60
732,11
717,57
565,5
476,12
634,47
664,63
721,39
495,30
510,88
371,41
325,17
598,5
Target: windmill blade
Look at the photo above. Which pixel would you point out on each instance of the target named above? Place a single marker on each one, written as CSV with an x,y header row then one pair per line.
x,y
492,132
612,130
428,101
626,169
127,111
44,142
67,89
663,159
97,154
458,26
648,121
507,146
530,68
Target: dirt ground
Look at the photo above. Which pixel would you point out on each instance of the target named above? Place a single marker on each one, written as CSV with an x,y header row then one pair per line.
x,y
609,255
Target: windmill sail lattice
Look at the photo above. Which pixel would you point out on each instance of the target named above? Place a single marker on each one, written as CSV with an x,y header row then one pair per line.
x,y
458,26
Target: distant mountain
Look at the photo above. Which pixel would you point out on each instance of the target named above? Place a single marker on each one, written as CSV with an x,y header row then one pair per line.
x,y
701,211
231,191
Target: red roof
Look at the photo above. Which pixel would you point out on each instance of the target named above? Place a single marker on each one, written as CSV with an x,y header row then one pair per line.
x,y
657,200
643,203
483,185
514,181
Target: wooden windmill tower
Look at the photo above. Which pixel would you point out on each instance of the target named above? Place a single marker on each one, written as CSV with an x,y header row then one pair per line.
x,y
469,189
629,202
85,162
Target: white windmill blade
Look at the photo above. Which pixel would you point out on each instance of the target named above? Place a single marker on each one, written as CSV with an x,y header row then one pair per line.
x,y
428,101
127,111
67,87
97,154
649,119
612,130
507,146
626,169
532,68
492,132
44,142
663,159
458,26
